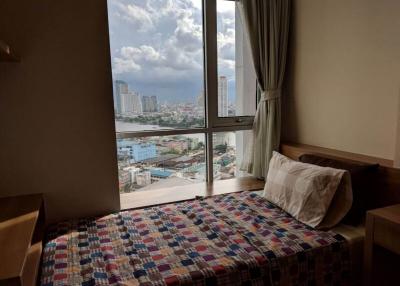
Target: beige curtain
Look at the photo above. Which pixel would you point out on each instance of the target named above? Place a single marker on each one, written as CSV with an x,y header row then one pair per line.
x,y
267,26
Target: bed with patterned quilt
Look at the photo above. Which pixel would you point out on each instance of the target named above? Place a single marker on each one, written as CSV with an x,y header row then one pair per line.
x,y
233,239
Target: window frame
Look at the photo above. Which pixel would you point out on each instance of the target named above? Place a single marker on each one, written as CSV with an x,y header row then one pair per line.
x,y
212,123
211,68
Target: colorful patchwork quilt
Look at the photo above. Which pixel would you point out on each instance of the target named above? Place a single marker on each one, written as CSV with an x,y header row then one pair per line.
x,y
234,239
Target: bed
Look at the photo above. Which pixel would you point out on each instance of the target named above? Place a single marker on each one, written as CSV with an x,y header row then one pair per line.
x,y
233,239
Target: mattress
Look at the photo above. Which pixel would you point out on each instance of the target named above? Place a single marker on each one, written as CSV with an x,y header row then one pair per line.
x,y
354,235
233,239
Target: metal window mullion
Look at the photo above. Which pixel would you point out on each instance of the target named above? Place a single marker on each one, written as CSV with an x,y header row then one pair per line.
x,y
165,132
209,157
138,134
228,120
211,80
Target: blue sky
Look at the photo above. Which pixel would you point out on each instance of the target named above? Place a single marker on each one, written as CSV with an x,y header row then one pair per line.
x,y
156,46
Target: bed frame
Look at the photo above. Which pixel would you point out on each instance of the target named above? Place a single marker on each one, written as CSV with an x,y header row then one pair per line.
x,y
387,181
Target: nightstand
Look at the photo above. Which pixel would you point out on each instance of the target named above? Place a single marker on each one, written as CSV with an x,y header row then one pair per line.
x,y
383,231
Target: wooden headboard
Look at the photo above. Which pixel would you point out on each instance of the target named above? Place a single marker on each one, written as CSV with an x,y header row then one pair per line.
x,y
387,181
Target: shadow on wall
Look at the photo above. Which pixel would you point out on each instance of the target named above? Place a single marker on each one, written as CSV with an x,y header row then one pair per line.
x,y
56,111
289,112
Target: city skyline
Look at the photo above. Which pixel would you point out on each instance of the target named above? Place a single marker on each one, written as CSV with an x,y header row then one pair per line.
x,y
130,102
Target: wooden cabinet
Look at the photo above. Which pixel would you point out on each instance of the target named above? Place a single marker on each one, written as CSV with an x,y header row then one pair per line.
x,y
21,231
382,246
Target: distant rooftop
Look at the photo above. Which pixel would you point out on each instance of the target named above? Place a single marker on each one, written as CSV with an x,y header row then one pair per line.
x,y
160,158
160,174
183,158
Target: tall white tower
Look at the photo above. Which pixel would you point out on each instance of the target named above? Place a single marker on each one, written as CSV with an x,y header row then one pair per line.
x,y
120,87
130,103
137,104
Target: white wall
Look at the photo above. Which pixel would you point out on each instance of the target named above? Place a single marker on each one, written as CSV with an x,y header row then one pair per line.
x,y
56,111
344,75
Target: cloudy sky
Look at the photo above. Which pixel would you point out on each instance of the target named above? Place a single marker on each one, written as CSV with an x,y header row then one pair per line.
x,y
156,46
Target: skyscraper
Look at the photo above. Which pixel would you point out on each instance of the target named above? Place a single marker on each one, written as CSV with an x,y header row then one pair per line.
x,y
149,103
146,103
120,87
130,103
137,104
126,103
222,96
154,105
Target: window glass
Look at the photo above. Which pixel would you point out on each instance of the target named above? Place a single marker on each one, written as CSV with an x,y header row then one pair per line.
x,y
235,65
157,64
228,150
158,162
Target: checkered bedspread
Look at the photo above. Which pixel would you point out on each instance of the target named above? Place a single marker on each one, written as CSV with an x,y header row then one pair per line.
x,y
235,239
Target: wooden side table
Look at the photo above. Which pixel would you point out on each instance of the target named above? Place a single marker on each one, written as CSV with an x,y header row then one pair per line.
x,y
21,231
382,229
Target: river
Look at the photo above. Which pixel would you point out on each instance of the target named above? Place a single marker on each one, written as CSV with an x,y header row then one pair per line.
x,y
122,126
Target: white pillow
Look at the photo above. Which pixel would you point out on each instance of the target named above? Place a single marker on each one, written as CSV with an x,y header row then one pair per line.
x,y
306,191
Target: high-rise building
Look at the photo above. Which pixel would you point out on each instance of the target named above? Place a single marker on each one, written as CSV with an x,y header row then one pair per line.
x,y
137,152
149,103
126,103
120,88
146,103
130,103
137,104
222,96
154,105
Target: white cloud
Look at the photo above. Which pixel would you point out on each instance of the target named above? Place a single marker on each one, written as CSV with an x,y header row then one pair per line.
x,y
136,15
170,60
197,4
226,7
169,46
146,14
179,51
226,49
189,33
225,64
125,65
144,53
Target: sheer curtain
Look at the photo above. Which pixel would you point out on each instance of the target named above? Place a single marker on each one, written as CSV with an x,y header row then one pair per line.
x,y
267,24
